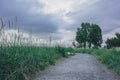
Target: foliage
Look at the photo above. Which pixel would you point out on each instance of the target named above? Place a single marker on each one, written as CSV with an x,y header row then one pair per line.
x,y
63,51
113,42
89,33
19,62
82,34
96,35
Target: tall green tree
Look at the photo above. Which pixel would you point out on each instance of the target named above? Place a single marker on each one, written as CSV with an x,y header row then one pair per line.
x,y
79,37
96,35
91,34
82,34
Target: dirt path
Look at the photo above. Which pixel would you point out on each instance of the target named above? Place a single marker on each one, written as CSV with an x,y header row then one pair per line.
x,y
78,67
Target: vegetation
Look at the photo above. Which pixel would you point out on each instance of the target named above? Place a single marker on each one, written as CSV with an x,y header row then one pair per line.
x,y
20,59
19,62
109,57
89,33
113,42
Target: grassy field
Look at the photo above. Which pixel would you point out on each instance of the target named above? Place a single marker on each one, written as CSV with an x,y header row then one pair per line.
x,y
109,57
20,62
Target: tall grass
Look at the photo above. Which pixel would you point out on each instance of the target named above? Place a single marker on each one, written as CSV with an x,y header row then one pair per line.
x,y
109,57
16,63
19,60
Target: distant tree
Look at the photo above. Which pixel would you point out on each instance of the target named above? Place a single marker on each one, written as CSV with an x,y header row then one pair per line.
x,y
82,34
113,42
90,34
84,31
79,36
96,35
118,35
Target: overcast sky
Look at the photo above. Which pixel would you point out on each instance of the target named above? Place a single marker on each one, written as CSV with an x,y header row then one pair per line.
x,y
61,17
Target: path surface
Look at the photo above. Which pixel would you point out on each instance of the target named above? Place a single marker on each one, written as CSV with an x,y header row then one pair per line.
x,y
78,67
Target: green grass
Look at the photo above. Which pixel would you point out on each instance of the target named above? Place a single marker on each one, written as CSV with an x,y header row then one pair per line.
x,y
19,59
109,57
20,62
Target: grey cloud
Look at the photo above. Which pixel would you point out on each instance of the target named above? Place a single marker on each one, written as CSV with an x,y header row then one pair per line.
x,y
104,12
27,18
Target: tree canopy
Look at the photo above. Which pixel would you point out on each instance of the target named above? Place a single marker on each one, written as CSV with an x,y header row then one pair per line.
x,y
113,42
89,34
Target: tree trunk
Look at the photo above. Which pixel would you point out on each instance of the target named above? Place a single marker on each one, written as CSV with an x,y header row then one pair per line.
x,y
84,44
90,45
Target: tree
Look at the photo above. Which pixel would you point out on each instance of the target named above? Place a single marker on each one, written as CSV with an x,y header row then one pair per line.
x,y
96,35
79,36
113,42
91,34
82,34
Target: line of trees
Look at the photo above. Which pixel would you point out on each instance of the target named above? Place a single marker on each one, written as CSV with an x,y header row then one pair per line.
x,y
113,42
88,35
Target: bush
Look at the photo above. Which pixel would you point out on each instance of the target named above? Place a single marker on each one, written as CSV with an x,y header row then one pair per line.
x,y
61,51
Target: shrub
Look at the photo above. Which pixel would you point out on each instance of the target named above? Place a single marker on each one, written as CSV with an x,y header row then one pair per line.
x,y
61,51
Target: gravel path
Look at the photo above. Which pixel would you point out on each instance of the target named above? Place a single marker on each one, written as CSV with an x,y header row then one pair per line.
x,y
78,67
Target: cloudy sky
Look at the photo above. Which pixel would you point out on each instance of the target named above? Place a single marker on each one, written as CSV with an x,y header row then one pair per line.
x,y
60,18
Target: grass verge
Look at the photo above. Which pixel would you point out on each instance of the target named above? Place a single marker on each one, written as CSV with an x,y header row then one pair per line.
x,y
20,62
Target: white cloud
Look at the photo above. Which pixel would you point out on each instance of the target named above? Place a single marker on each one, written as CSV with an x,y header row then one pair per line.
x,y
62,7
111,34
66,35
56,6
